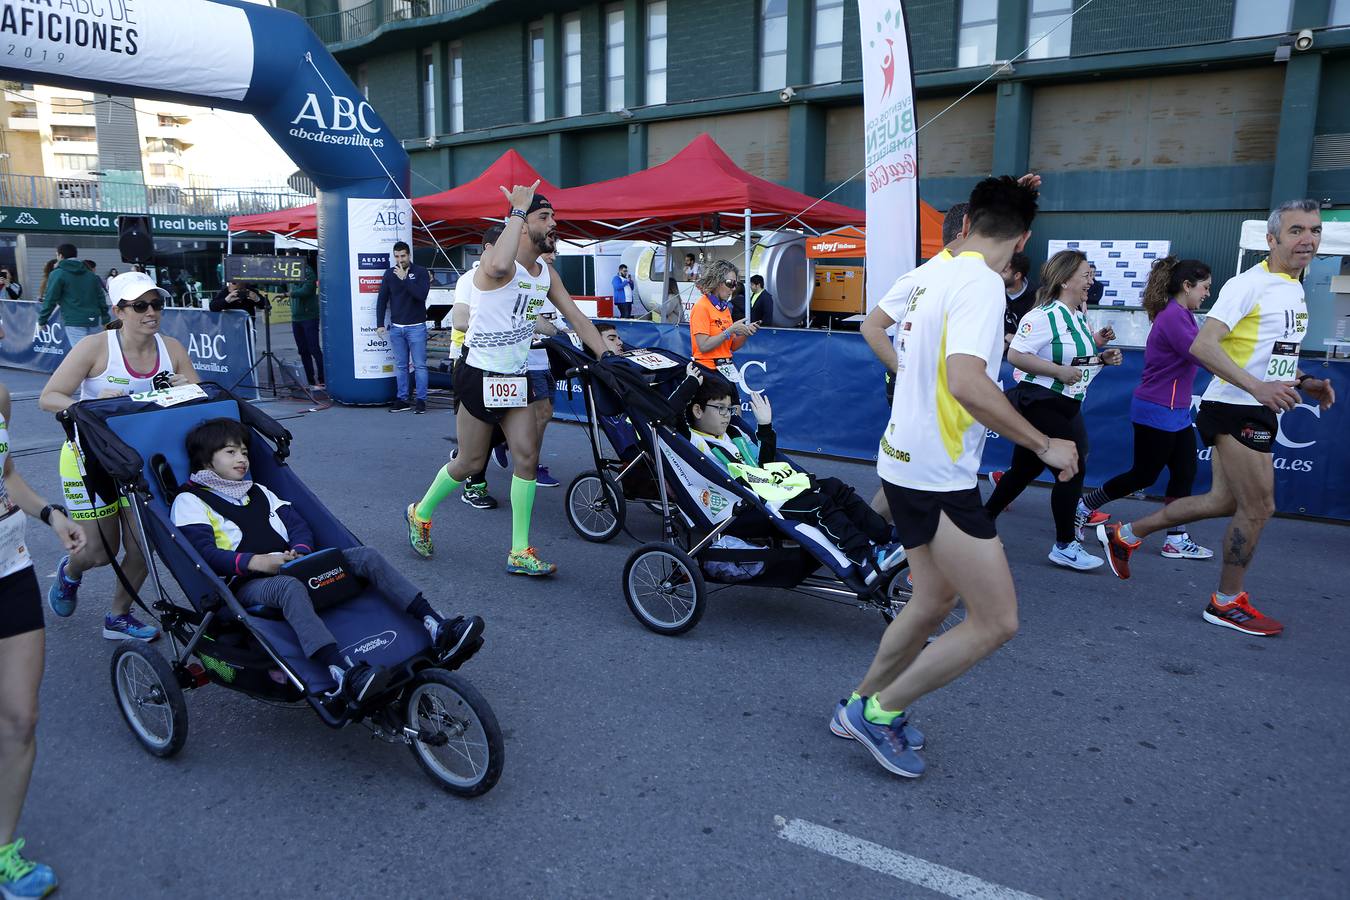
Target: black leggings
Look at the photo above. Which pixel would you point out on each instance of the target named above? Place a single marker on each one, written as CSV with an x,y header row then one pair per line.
x,y
1057,417
1154,449
843,516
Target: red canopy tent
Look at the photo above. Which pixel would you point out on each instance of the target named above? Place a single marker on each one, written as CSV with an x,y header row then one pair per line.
x,y
300,222
461,214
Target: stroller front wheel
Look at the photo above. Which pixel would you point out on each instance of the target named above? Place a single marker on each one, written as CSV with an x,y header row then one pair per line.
x,y
458,743
150,699
664,588
595,506
898,593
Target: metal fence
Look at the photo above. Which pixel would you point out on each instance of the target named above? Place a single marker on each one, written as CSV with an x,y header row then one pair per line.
x,y
83,194
359,21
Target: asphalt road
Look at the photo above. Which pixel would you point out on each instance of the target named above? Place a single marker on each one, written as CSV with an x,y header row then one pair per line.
x,y
1118,747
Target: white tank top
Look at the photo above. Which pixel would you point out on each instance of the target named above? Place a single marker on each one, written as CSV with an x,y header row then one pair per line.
x,y
501,322
13,546
117,375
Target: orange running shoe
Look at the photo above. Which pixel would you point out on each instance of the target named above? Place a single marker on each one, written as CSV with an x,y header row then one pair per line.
x,y
1118,549
1240,615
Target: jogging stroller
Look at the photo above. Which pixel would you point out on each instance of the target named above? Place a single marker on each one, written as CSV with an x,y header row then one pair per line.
x,y
138,443
713,527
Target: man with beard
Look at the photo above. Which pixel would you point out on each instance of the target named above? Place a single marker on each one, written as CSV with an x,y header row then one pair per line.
x,y
510,286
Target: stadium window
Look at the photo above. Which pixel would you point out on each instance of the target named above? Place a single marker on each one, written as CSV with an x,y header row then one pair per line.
x,y
773,29
656,53
1255,18
1042,17
979,33
571,27
827,59
428,92
536,97
456,69
614,57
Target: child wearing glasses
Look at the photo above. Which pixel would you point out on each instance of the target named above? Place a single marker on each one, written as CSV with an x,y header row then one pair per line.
x,y
827,503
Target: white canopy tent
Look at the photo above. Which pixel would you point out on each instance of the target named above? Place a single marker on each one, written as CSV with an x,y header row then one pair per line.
x,y
1335,238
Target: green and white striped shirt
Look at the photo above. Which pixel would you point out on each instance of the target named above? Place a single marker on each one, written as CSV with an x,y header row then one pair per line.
x,y
1055,333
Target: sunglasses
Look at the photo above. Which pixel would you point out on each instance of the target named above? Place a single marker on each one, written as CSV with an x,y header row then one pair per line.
x,y
141,306
731,282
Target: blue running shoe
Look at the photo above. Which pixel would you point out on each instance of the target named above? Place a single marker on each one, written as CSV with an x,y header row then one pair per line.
x,y
885,742
913,736
63,594
502,455
23,879
543,479
127,627
889,556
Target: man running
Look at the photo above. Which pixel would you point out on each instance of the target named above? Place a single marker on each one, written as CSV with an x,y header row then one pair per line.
x,y
946,360
510,285
1250,341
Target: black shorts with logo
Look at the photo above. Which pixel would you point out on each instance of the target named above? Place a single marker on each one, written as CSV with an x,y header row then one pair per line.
x,y
916,513
20,603
468,382
1250,426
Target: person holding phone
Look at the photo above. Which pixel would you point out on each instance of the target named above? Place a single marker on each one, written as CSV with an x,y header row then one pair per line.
x,y
713,333
403,299
9,288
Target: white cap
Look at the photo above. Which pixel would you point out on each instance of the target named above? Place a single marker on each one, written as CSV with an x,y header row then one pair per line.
x,y
129,286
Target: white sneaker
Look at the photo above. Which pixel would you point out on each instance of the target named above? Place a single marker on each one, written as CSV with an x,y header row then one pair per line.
x,y
1182,547
1074,557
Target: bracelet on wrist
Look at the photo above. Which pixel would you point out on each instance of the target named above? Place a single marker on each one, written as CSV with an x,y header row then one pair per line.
x,y
518,212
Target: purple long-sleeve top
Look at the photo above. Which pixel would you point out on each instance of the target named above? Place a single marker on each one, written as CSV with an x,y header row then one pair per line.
x,y
1169,369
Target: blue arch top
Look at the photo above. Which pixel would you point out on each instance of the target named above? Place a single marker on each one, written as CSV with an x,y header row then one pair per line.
x,y
266,62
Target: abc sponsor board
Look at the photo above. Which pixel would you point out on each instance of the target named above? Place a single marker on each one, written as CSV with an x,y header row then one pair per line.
x,y
373,227
1122,266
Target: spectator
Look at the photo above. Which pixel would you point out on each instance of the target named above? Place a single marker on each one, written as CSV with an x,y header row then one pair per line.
x,y
93,270
713,333
77,292
237,295
305,326
112,273
1020,291
691,268
623,293
761,301
46,275
9,288
673,311
403,297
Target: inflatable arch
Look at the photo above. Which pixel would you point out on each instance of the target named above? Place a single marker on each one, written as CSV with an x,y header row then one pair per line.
x,y
266,62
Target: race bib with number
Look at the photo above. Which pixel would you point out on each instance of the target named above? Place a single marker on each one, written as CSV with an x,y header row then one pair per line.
x,y
729,372
171,396
649,361
1283,365
1088,367
505,392
13,547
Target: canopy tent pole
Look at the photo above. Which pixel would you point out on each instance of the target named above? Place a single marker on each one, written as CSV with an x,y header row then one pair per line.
x,y
745,273
665,280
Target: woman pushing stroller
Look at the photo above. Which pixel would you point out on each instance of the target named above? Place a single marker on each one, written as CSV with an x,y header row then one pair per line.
x,y
246,534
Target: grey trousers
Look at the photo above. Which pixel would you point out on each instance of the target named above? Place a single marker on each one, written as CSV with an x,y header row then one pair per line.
x,y
291,597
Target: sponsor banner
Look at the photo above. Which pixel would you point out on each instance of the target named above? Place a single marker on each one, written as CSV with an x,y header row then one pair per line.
x,y
890,148
32,218
220,344
373,227
134,42
1122,266
829,397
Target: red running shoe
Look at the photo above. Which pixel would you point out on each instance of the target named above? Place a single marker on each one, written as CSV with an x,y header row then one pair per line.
x,y
1118,549
1240,615
1097,517
994,477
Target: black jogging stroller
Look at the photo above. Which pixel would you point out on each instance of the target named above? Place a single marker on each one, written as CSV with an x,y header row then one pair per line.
x,y
136,444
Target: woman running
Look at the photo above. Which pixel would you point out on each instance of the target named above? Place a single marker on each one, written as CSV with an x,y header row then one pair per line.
x,y
1059,352
125,359
22,647
1161,408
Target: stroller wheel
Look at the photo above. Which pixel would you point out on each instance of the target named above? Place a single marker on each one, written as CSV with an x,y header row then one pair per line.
x,y
459,744
898,593
150,698
664,588
595,506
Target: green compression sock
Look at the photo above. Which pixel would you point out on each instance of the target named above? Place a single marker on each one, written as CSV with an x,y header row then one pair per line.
x,y
441,488
522,508
878,716
854,696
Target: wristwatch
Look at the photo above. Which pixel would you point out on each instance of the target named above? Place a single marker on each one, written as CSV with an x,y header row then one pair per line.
x,y
46,514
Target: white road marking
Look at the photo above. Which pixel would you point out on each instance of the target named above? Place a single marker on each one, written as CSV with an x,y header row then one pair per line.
x,y
892,862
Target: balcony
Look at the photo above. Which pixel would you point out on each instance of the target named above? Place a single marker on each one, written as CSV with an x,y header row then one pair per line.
x,y
82,194
364,20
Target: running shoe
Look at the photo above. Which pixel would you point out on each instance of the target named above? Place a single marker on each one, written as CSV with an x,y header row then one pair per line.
x,y
502,454
1087,518
359,682
994,478
1182,547
419,407
1118,549
886,743
127,627
453,636
543,479
477,496
22,879
419,532
62,595
912,735
1240,615
1074,557
889,556
399,405
527,562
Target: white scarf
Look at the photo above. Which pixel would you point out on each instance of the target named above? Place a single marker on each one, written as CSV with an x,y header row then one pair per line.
x,y
234,491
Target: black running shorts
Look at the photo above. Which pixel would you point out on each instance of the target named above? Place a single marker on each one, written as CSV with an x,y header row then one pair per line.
x,y
1250,426
916,513
20,603
541,384
468,382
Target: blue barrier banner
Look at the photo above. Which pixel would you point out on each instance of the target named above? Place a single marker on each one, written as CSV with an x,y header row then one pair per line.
x,y
220,344
828,397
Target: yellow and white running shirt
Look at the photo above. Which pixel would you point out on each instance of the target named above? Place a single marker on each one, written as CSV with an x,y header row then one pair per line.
x,y
944,307
501,322
1267,319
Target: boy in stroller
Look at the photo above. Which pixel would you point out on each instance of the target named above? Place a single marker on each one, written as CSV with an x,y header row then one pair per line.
x,y
827,503
246,533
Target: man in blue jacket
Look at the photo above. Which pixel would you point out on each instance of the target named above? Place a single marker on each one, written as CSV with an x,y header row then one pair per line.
x,y
403,296
623,293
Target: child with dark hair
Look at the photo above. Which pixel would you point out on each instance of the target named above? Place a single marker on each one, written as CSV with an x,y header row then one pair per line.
x,y
827,503
246,533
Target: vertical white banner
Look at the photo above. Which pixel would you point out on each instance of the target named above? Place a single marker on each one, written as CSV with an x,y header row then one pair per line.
x,y
890,149
373,227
